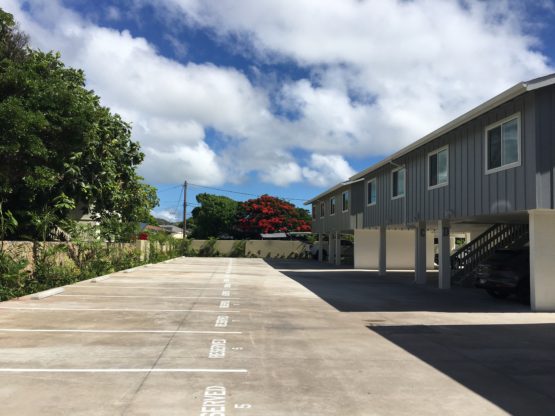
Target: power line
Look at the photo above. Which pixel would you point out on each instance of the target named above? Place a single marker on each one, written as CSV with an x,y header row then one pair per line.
x,y
239,193
167,189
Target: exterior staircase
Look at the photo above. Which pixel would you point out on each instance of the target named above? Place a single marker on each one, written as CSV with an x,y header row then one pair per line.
x,y
465,259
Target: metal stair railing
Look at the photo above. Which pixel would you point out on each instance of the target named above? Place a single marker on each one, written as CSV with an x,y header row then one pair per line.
x,y
465,259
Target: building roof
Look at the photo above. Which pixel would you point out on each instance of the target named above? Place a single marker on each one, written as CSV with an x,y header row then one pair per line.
x,y
496,101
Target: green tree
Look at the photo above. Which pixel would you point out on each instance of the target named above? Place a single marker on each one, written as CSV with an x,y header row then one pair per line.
x,y
13,42
215,216
57,139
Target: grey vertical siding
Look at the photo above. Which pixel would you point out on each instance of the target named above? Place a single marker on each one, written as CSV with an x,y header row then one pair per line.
x,y
340,221
545,147
470,192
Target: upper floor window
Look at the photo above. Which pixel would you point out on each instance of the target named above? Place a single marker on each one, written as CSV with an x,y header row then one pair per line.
x,y
371,192
322,209
398,183
438,168
503,144
332,205
345,201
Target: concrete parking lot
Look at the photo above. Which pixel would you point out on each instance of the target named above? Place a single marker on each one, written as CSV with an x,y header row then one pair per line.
x,y
224,336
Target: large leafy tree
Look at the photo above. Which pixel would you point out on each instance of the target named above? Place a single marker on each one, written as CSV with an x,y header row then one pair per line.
x,y
268,214
214,216
57,140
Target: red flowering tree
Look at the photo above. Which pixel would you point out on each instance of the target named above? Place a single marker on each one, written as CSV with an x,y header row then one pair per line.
x,y
268,214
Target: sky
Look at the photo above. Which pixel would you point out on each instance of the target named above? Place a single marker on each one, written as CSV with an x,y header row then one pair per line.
x,y
287,97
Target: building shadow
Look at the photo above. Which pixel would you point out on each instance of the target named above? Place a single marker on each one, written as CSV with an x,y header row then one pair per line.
x,y
351,290
512,366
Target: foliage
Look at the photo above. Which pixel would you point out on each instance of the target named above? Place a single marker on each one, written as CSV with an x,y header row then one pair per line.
x,y
58,141
162,247
13,43
239,248
216,215
187,248
208,249
13,277
268,214
50,269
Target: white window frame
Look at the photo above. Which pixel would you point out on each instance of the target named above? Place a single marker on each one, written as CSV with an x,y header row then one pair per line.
x,y
518,138
435,152
322,204
334,205
348,199
404,190
375,182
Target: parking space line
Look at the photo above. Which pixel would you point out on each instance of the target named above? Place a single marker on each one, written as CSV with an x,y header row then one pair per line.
x,y
143,296
123,370
111,310
111,286
117,331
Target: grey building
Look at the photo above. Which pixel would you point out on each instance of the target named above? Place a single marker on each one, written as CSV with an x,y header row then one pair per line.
x,y
489,174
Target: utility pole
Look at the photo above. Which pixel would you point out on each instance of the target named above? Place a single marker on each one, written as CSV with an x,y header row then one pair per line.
x,y
185,210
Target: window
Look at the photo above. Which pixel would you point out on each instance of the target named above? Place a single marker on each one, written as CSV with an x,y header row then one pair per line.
x,y
322,209
345,201
398,182
371,192
438,168
503,144
332,206
313,212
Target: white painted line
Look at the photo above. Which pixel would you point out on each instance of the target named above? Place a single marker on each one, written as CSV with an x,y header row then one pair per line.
x,y
116,331
122,370
224,304
111,310
100,278
47,293
81,286
144,296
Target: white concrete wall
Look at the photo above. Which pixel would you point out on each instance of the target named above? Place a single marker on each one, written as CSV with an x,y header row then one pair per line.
x,y
542,261
400,249
366,250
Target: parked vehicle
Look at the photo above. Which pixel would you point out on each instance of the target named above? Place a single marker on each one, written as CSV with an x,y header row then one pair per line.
x,y
506,272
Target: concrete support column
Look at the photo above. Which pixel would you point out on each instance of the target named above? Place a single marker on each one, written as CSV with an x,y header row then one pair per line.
x,y
331,248
542,261
338,249
383,254
420,253
444,277
320,247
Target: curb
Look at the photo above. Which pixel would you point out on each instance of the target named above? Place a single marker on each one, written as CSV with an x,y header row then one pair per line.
x,y
47,293
100,278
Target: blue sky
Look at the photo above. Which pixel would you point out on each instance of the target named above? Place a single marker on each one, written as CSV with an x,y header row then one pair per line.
x,y
287,97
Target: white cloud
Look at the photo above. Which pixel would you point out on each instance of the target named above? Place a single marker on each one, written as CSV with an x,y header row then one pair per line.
x,y
326,170
166,215
420,62
382,74
282,174
113,13
198,164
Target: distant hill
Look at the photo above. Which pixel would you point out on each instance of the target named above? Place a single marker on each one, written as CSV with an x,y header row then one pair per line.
x,y
162,221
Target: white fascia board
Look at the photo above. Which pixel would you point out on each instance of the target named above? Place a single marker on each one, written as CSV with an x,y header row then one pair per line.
x,y
332,189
